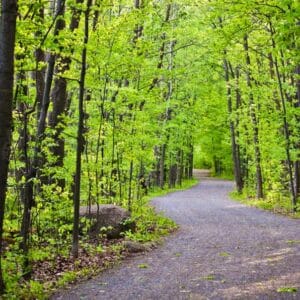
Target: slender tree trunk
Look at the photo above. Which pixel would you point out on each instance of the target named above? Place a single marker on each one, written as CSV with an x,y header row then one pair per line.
x,y
59,98
7,45
130,185
155,80
235,154
179,167
20,94
238,103
259,179
188,165
157,165
41,126
168,96
191,161
39,73
297,163
119,175
172,175
285,126
80,137
162,166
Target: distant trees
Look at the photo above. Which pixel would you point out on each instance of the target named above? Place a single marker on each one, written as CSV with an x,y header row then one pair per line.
x,y
259,64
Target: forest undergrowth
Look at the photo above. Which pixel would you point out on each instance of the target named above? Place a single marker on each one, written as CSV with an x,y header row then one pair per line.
x,y
277,203
54,268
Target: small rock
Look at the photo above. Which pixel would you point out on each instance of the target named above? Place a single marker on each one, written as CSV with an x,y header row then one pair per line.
x,y
135,247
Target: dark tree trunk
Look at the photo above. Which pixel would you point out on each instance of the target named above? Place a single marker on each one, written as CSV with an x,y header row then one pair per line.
x,y
162,166
80,137
7,44
39,80
172,175
130,186
188,162
59,98
238,103
39,73
119,175
259,179
32,173
155,80
234,146
20,94
297,163
285,125
273,76
179,167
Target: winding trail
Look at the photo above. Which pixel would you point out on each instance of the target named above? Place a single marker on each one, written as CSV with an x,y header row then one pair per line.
x,y
223,250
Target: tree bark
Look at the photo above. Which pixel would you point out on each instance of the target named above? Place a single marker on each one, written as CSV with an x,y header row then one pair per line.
x,y
285,125
7,45
59,98
130,185
162,166
234,146
80,137
297,163
39,73
259,179
32,173
190,161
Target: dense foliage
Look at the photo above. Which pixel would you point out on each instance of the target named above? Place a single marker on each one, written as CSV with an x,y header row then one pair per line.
x,y
114,98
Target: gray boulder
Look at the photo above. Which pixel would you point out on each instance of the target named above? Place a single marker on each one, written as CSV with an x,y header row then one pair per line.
x,y
107,219
135,247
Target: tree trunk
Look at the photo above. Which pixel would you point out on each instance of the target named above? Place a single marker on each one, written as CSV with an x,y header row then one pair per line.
x,y
32,173
234,147
7,45
39,73
162,166
130,186
180,167
297,163
80,137
59,98
238,103
259,179
172,175
285,125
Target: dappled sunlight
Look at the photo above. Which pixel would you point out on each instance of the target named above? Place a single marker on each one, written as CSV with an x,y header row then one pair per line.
x,y
261,287
275,256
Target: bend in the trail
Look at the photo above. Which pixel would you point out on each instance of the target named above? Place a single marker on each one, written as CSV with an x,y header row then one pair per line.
x,y
223,250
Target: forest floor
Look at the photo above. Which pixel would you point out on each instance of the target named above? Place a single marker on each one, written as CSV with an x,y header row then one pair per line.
x,y
223,250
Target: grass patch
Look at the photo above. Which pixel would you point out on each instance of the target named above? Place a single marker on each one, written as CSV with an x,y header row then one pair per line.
x,y
287,289
157,192
274,202
293,242
225,176
224,254
208,277
143,266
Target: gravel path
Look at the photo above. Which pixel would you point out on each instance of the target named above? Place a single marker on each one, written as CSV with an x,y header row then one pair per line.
x,y
223,250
